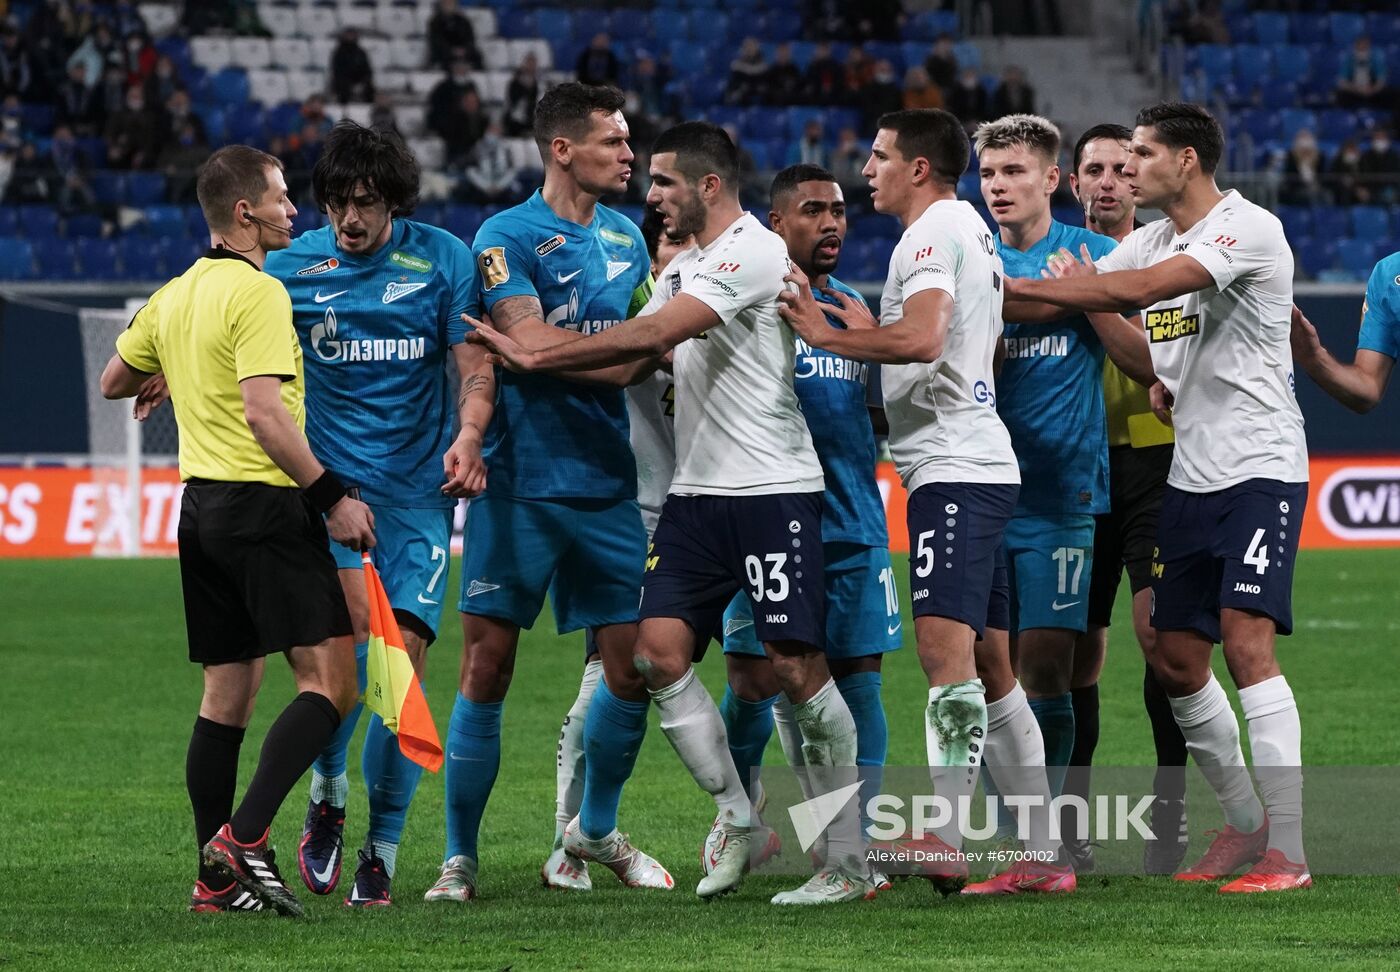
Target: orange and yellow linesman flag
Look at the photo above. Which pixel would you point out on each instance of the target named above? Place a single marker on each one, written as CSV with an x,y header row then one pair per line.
x,y
391,687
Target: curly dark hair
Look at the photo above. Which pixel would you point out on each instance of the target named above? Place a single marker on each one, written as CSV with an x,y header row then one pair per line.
x,y
380,161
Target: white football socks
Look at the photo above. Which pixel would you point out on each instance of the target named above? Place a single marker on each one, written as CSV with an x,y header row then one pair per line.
x,y
790,736
955,730
336,789
695,728
568,772
1276,743
1213,740
829,752
1015,756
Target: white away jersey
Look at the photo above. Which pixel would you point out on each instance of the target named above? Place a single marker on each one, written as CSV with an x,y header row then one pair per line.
x,y
1223,352
739,429
944,425
651,410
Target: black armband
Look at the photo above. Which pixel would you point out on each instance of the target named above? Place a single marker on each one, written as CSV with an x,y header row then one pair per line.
x,y
325,492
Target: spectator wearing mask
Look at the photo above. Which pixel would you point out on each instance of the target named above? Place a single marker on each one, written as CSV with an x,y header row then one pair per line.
x,y
810,149
782,83
942,63
181,158
70,166
1345,171
746,73
134,134
1014,96
882,94
313,112
522,94
163,82
860,72
1302,172
76,104
826,78
179,113
492,175
139,59
1379,166
1361,78
451,36
650,81
382,117
466,126
968,99
919,91
92,53
848,158
446,97
352,76
32,179
597,64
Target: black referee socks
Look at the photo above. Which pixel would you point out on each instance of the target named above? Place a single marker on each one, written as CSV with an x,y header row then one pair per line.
x,y
292,743
211,773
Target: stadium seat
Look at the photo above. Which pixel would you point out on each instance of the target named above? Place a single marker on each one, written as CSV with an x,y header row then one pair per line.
x,y
484,23
1336,124
303,84
165,220
1357,257
378,50
145,188
1370,223
53,258
520,47
250,53
211,53
280,20
930,23
1296,220
1331,223
215,123
351,15
1278,94
1271,28
107,187
9,221
521,24
82,225
1254,64
407,54
246,126
673,24
37,118
290,53
321,48
176,48
16,259
38,222
1259,124
98,259
1384,29
1293,120
268,87
1346,27
228,87
1293,62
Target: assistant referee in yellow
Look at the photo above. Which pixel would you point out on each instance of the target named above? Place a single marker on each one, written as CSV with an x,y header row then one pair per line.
x,y
255,565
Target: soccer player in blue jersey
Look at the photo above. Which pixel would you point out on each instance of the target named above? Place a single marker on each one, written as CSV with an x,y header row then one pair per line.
x,y
1049,394
373,294
560,514
1360,385
808,210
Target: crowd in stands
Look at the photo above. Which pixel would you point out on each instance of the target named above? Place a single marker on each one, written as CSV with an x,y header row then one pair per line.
x,y
90,101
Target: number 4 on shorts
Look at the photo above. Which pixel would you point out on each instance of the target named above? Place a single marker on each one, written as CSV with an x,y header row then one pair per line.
x,y
1257,555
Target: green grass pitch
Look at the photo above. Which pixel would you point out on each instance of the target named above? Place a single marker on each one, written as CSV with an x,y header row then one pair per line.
x,y
97,853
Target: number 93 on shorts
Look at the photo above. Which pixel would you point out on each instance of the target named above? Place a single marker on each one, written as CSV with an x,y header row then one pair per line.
x,y
708,548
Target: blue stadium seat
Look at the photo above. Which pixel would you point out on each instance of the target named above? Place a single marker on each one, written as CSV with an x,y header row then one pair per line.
x,y
1297,221
1215,62
53,258
1346,27
108,187
1314,254
1271,28
520,23
9,221
83,225
1384,29
38,222
1254,64
784,25
37,118
1278,94
1370,222
1258,124
194,223
282,119
672,24
246,126
174,254
16,259
930,23
145,188
1311,28
1291,120
177,49
98,259
555,25
1357,257
1331,223
306,219
228,87
165,220
968,54
1336,124
1293,62
630,26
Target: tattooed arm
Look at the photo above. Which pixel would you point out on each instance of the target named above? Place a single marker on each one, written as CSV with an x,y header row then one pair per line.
x,y
462,465
523,319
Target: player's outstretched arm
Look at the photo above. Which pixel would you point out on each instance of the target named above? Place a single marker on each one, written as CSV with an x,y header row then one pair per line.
x,y
917,336
648,336
523,319
348,520
1359,385
1123,338
462,465
1119,291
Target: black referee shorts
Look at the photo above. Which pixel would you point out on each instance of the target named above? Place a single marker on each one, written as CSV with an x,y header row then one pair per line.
x,y
257,572
1125,536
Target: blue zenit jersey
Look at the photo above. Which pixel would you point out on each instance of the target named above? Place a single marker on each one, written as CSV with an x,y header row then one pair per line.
x,y
832,392
1050,393
550,437
373,331
1380,314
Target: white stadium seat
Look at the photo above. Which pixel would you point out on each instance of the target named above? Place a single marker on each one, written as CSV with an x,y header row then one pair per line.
x,y
356,111
361,18
391,82
321,48
423,82
411,119
483,22
211,53
544,56
378,50
492,85
523,152
280,20
496,56
408,53
160,18
428,151
291,53
250,53
303,84
268,87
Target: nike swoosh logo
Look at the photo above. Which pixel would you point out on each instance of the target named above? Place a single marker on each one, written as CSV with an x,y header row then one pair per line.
x,y
321,300
895,628
424,600
324,876
566,277
1057,606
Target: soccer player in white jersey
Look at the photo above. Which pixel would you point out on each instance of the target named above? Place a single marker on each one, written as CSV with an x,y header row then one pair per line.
x,y
1215,280
743,512
651,414
940,322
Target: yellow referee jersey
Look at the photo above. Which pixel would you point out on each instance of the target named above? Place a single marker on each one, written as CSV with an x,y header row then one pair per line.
x,y
219,322
1130,418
